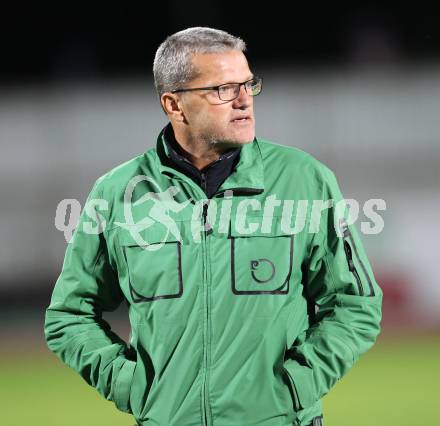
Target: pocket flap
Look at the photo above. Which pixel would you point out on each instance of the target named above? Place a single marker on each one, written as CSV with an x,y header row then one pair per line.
x,y
258,226
155,233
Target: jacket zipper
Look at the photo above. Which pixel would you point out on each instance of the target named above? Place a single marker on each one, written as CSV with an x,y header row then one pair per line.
x,y
206,337
351,266
347,247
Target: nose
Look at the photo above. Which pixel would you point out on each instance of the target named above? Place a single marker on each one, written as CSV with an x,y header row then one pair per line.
x,y
243,99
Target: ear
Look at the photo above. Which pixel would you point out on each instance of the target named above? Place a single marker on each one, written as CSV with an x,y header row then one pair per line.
x,y
172,105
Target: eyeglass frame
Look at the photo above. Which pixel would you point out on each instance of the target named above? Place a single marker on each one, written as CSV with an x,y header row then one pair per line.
x,y
220,85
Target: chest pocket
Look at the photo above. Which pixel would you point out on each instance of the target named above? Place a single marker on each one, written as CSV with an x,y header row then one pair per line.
x,y
153,257
261,263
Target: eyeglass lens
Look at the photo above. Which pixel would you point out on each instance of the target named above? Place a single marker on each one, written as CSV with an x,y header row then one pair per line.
x,y
231,91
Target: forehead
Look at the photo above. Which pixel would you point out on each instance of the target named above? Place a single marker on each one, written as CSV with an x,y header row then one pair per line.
x,y
217,68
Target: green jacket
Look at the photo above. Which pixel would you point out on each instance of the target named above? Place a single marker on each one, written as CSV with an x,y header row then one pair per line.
x,y
243,321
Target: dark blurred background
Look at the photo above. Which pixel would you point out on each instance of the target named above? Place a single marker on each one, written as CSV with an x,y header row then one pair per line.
x,y
356,86
73,42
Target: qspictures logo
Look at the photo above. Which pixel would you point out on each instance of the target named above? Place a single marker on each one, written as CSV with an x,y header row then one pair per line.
x,y
251,216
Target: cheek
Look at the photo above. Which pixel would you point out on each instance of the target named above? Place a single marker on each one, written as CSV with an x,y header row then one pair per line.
x,y
214,118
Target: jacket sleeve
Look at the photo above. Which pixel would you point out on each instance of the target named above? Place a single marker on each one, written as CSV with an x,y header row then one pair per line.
x,y
74,328
340,285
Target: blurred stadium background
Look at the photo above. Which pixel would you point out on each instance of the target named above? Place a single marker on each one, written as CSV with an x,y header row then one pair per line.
x,y
358,88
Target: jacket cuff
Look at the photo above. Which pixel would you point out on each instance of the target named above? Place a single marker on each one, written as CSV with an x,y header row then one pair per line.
x,y
121,394
303,385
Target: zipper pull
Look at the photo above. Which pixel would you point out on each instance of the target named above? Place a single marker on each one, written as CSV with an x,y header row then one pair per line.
x,y
347,249
207,228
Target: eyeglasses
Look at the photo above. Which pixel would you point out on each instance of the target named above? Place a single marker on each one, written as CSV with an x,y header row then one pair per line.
x,y
231,91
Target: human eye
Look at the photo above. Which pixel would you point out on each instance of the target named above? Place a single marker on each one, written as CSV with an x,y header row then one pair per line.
x,y
227,89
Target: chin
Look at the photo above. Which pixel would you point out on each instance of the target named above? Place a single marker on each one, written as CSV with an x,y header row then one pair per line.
x,y
234,138
243,135
247,137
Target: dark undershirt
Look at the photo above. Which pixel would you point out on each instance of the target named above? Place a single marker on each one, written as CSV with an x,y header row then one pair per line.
x,y
211,176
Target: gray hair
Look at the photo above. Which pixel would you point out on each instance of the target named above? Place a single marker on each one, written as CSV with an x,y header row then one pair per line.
x,y
172,66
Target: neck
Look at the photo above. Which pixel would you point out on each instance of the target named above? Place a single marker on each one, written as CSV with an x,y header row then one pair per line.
x,y
199,152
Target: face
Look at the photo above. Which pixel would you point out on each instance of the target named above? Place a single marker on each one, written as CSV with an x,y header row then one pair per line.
x,y
204,115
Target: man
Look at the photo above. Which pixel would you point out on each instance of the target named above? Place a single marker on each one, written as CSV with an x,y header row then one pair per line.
x,y
237,318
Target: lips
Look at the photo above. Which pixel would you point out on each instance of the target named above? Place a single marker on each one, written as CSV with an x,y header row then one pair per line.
x,y
241,118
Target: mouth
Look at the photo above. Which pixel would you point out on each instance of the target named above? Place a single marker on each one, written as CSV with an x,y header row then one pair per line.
x,y
243,119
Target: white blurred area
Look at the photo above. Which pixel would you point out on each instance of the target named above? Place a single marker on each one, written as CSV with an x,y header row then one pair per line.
x,y
379,131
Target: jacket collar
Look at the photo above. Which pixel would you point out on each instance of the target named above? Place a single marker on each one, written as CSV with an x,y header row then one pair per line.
x,y
217,171
248,177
